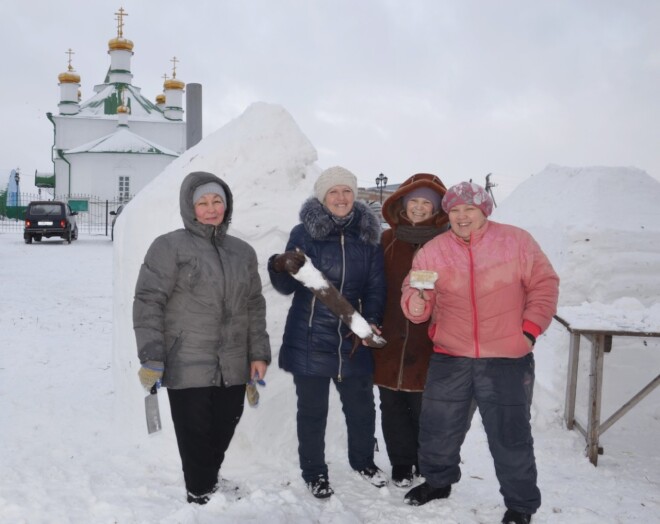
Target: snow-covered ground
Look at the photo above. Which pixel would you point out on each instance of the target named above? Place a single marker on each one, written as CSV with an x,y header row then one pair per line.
x,y
73,440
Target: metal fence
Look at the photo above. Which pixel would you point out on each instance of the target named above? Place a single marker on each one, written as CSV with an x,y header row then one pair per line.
x,y
93,213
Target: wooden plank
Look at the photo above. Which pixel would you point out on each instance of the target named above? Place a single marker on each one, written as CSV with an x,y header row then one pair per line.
x,y
595,396
615,332
598,331
571,380
629,405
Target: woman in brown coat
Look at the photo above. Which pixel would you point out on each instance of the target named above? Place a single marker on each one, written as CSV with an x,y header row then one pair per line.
x,y
415,216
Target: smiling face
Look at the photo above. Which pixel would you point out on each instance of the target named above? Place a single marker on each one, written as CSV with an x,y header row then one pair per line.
x,y
419,209
339,200
210,209
465,219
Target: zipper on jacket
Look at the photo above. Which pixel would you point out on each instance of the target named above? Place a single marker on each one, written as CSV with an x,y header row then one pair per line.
x,y
341,290
473,299
311,312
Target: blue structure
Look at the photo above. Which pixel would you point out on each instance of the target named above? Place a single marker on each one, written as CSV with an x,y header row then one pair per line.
x,y
13,189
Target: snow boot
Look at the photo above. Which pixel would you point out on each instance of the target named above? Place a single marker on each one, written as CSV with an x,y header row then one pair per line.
x,y
420,495
515,517
320,487
402,476
198,499
374,475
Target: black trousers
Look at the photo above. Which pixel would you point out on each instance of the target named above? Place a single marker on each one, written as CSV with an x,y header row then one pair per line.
x,y
357,403
502,388
400,412
204,423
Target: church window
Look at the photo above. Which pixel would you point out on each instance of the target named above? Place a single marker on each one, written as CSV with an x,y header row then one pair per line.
x,y
124,189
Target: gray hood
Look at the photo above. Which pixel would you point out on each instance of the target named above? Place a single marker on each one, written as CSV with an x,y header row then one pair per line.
x,y
188,186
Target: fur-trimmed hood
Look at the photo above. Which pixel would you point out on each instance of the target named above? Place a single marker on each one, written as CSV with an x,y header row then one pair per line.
x,y
318,221
393,210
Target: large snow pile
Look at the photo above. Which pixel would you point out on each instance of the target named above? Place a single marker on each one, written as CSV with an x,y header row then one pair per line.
x,y
600,226
268,164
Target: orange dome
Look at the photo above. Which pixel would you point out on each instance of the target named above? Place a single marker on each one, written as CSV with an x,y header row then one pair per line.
x,y
120,43
173,83
69,77
160,99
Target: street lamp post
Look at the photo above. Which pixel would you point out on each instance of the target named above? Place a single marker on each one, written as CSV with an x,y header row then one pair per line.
x,y
17,179
381,182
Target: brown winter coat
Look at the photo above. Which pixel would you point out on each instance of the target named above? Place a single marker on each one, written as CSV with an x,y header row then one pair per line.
x,y
402,364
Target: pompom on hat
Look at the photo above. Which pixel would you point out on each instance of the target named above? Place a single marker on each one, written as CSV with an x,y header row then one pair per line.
x,y
424,192
470,194
334,176
209,187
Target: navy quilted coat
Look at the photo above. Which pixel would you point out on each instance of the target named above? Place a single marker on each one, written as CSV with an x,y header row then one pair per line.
x,y
316,342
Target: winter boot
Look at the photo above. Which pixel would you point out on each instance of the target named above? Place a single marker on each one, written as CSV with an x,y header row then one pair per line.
x,y
420,495
320,487
515,517
402,476
198,499
374,475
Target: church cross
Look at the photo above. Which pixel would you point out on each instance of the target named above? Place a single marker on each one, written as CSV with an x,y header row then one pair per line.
x,y
174,61
120,22
69,52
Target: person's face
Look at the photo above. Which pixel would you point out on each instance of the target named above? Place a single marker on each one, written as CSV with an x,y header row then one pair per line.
x,y
465,219
339,200
419,209
210,209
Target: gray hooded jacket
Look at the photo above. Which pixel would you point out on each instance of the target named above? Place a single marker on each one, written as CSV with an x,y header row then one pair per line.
x,y
198,303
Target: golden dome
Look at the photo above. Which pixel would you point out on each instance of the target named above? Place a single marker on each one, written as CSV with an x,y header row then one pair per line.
x,y
173,83
120,43
160,99
122,109
69,77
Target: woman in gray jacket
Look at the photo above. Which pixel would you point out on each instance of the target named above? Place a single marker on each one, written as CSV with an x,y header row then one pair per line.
x,y
200,321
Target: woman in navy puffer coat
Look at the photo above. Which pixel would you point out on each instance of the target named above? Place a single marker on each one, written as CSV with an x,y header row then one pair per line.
x,y
341,237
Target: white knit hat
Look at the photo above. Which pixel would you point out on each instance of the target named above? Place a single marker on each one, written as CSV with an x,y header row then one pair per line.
x,y
334,176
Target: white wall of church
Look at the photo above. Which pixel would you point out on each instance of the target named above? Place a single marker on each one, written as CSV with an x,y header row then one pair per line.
x,y
98,174
74,132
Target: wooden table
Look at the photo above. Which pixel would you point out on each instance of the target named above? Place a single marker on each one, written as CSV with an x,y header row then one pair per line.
x,y
601,343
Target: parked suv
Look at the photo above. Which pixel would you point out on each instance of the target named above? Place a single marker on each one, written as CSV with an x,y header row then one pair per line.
x,y
49,219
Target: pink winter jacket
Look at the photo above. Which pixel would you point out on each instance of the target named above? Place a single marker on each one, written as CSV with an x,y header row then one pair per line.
x,y
488,291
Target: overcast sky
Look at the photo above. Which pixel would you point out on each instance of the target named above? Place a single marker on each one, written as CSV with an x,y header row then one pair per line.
x,y
458,88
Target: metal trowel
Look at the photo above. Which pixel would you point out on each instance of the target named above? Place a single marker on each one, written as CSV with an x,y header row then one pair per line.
x,y
152,411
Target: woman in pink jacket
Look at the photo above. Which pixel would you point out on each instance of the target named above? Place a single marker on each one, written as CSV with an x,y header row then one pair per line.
x,y
496,292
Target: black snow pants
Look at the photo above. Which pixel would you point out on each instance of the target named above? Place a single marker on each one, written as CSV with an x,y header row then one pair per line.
x,y
502,388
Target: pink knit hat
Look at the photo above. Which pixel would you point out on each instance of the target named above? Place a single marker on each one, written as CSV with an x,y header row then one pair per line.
x,y
470,194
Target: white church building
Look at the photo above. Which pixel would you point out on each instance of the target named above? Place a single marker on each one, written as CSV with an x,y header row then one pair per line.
x,y
113,144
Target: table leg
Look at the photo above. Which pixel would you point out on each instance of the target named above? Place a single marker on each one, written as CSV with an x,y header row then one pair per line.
x,y
571,380
595,394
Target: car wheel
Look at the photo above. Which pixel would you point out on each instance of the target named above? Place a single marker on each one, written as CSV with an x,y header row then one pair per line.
x,y
75,233
28,239
69,236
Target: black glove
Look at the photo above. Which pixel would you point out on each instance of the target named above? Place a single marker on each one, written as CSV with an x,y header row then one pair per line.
x,y
290,261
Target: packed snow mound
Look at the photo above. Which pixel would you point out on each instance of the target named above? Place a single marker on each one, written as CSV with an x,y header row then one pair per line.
x,y
268,163
600,226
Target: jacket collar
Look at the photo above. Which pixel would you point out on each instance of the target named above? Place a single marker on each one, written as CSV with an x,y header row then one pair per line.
x,y
318,222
